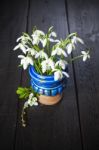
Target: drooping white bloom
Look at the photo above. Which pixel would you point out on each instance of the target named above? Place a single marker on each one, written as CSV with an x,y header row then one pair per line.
x,y
22,47
32,51
76,39
47,65
53,34
23,39
58,74
32,100
61,63
41,54
69,48
25,61
31,95
85,55
37,36
58,51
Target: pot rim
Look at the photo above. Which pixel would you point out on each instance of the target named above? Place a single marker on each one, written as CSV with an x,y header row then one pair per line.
x,y
49,78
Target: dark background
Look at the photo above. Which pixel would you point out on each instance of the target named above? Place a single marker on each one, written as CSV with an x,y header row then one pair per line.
x,y
73,124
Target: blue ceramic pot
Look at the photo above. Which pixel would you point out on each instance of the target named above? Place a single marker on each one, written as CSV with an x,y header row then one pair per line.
x,y
46,85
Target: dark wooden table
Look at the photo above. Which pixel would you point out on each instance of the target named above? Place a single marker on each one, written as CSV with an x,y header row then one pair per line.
x,y
72,124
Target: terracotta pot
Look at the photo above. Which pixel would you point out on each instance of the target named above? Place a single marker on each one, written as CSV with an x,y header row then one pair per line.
x,y
50,100
50,90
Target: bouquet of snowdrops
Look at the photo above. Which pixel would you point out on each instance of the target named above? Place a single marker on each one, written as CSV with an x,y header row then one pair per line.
x,y
49,56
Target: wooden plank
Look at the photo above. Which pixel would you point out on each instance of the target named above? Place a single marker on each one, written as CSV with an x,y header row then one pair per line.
x,y
51,127
12,23
84,19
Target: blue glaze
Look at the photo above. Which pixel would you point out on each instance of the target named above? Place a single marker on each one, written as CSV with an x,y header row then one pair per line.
x,y
46,85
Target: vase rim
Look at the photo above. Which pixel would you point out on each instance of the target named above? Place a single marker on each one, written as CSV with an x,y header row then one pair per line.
x,y
41,76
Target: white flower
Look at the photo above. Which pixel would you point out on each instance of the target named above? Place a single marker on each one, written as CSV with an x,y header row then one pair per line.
x,y
85,55
41,54
25,61
53,34
47,65
24,39
22,47
35,101
26,104
31,95
32,51
58,51
69,48
37,36
61,63
58,74
32,100
76,39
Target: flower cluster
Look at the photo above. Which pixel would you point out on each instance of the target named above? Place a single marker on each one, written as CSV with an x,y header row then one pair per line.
x,y
48,54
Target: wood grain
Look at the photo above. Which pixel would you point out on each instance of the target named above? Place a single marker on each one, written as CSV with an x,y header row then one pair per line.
x,y
84,18
12,23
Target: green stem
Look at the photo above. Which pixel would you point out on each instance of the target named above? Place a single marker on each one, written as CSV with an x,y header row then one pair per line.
x,y
48,47
75,58
36,66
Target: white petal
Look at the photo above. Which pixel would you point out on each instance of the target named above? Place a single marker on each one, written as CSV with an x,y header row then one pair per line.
x,y
51,40
58,75
25,64
69,48
84,57
18,39
36,104
74,40
80,40
37,55
34,98
83,52
31,95
44,42
23,48
64,53
66,74
16,47
54,52
29,60
21,56
53,34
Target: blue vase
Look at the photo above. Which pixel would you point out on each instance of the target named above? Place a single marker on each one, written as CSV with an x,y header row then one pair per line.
x,y
46,85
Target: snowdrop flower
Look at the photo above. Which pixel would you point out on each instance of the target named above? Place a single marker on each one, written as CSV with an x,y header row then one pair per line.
x,y
53,34
85,55
26,104
24,39
61,63
32,100
22,47
41,54
69,48
76,39
32,51
58,51
58,74
36,36
25,61
47,65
